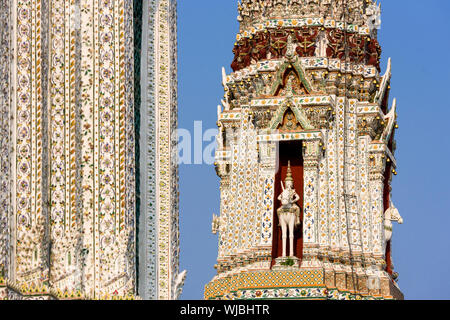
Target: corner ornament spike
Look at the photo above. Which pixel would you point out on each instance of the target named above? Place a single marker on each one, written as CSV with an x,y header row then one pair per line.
x,y
390,117
384,83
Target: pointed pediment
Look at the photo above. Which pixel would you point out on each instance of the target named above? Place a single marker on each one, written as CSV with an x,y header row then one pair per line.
x,y
289,117
291,80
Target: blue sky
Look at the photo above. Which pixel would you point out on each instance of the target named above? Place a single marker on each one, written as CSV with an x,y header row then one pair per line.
x,y
416,35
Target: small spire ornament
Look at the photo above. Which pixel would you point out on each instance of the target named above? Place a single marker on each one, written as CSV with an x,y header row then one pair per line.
x,y
289,173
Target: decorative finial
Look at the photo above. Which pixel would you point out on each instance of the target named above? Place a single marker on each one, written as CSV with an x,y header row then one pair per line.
x,y
289,173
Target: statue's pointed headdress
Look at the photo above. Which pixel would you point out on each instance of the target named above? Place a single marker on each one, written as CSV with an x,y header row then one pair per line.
x,y
289,173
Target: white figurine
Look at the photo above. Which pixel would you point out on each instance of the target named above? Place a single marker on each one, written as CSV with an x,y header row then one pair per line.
x,y
289,212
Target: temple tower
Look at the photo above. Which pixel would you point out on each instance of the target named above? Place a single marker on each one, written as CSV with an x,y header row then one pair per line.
x,y
306,156
81,134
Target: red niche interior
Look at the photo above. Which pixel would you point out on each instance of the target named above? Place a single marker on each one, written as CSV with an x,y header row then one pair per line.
x,y
288,151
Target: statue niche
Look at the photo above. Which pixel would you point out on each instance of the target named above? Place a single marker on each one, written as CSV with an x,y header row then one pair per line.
x,y
391,214
289,212
287,207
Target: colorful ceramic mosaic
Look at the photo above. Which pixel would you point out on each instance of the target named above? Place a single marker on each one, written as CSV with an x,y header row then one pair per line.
x,y
296,80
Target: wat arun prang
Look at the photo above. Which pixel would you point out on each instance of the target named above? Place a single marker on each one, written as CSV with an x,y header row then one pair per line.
x,y
306,126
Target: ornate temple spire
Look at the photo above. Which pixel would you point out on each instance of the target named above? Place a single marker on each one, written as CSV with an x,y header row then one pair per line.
x,y
306,97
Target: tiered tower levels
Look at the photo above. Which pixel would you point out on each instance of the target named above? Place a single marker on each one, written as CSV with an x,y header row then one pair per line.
x,y
306,87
